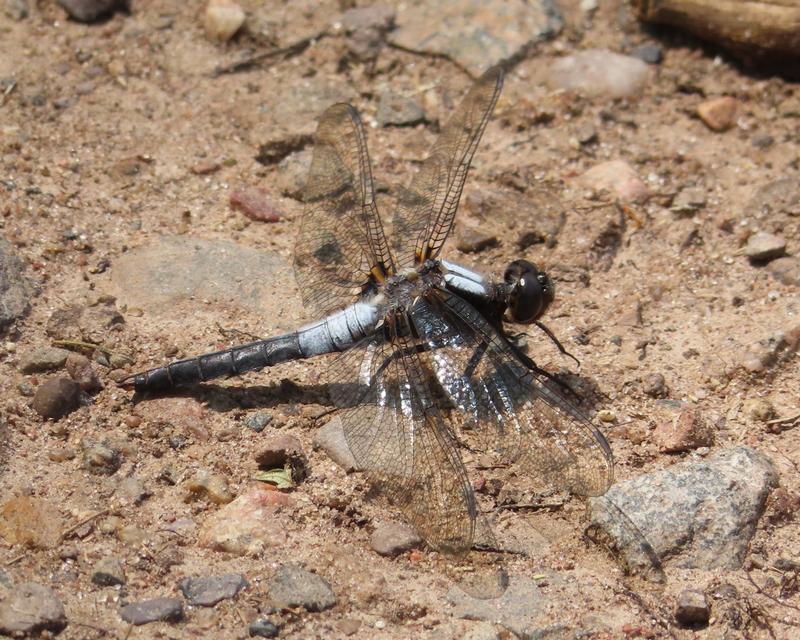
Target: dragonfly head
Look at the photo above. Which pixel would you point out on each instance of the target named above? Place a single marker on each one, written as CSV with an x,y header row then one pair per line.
x,y
529,291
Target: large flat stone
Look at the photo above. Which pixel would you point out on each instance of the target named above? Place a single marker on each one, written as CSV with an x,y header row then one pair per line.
x,y
173,269
472,33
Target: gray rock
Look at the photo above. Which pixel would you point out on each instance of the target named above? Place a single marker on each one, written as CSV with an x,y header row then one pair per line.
x,y
649,52
56,398
30,608
15,289
331,439
208,591
172,269
599,72
774,198
396,109
763,247
786,270
688,201
698,514
692,608
476,34
155,610
108,572
258,421
293,586
393,538
92,10
42,359
263,628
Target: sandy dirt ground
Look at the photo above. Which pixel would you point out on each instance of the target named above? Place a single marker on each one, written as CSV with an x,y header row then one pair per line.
x,y
114,136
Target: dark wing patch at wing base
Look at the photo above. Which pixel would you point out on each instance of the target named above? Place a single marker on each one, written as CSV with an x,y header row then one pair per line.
x,y
341,237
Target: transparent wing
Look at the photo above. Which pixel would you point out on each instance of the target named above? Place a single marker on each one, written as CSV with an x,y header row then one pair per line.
x,y
341,238
399,435
426,209
502,406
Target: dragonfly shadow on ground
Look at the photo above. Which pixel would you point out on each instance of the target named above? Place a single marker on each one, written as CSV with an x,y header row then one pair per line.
x,y
225,398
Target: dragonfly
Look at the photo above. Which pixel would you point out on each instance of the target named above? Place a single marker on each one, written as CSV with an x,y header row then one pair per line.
x,y
426,366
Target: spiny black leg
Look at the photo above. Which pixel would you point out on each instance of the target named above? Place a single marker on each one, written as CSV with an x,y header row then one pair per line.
x,y
556,341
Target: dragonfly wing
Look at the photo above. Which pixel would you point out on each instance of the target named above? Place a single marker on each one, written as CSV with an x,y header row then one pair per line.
x,y
426,209
341,238
402,440
503,406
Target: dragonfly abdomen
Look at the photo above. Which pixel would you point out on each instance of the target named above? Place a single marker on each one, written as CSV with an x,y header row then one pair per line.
x,y
335,333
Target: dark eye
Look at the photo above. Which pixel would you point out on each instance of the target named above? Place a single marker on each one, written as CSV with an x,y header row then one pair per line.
x,y
530,291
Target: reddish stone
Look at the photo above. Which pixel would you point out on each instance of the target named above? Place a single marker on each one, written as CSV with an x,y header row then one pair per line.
x,y
256,204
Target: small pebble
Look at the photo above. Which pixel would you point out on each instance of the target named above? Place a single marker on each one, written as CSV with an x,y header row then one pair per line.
x,y
258,421
293,586
99,458
280,450
785,270
719,114
213,486
208,591
688,201
155,610
56,398
88,11
599,72
263,628
61,454
26,389
649,52
763,247
222,19
205,167
108,572
655,386
331,439
474,240
688,430
692,608
586,134
606,415
618,178
42,359
393,538
255,203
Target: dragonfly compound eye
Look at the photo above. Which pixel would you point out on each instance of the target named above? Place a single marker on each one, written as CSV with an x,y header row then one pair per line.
x,y
530,291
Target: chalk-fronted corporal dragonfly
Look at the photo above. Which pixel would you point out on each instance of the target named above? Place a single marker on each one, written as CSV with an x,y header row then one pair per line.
x,y
425,364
